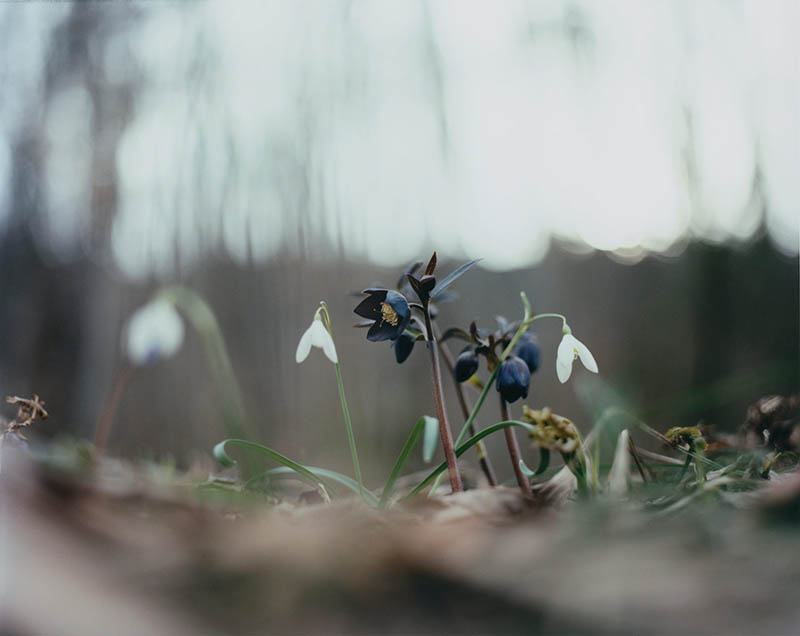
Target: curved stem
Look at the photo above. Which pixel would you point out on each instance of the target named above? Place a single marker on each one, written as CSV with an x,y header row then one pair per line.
x,y
513,450
200,314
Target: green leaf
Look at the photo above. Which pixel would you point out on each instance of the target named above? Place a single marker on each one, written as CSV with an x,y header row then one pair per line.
x,y
430,438
284,472
464,448
451,278
222,457
544,462
408,448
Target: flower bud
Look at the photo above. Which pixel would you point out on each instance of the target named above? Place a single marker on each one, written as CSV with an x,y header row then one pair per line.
x,y
527,350
513,379
466,365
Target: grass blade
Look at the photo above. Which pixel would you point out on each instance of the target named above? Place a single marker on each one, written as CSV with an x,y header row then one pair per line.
x,y
222,457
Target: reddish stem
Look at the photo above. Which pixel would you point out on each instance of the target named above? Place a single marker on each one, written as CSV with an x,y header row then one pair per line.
x,y
102,429
513,450
486,465
441,414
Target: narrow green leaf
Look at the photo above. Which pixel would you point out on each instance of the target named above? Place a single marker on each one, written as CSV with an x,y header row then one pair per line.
x,y
284,472
464,448
430,438
222,457
544,462
408,448
451,278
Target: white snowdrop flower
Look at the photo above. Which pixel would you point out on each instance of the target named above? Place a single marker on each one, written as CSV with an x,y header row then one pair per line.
x,y
154,331
316,336
569,349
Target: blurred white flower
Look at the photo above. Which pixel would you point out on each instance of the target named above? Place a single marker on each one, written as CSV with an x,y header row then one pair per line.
x,y
569,349
316,336
154,331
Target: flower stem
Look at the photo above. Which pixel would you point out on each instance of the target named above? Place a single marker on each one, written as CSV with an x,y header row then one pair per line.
x,y
480,447
345,411
102,430
350,437
205,322
438,398
528,318
513,450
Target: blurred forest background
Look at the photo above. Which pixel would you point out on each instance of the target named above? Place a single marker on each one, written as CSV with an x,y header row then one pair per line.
x,y
631,165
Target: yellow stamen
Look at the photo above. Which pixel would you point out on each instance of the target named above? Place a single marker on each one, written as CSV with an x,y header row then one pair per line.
x,y
389,315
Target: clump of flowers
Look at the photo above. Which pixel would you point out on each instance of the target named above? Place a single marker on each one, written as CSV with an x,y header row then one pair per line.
x,y
402,317
511,352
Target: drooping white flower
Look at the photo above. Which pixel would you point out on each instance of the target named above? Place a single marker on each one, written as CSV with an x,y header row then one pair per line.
x,y
569,349
316,336
154,331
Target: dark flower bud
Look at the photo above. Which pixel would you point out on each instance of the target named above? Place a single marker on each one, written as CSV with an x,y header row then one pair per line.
x,y
513,379
527,350
466,365
403,346
390,311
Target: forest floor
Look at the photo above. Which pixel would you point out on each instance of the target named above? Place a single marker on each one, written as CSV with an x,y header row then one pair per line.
x,y
119,550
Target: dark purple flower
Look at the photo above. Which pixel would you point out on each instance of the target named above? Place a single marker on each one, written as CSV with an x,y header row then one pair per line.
x,y
388,309
466,365
513,379
403,346
527,349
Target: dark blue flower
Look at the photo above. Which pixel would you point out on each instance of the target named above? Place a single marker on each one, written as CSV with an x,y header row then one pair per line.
x,y
403,346
527,349
466,365
513,379
388,309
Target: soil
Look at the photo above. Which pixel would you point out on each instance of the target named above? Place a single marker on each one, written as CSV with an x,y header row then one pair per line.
x,y
118,552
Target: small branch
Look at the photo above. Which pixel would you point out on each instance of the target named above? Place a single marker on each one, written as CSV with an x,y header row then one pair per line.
x,y
28,411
